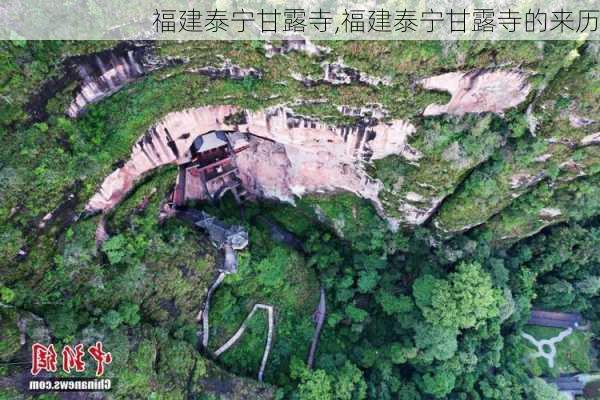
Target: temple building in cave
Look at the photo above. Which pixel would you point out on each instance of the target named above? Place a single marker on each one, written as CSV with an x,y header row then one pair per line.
x,y
270,154
212,170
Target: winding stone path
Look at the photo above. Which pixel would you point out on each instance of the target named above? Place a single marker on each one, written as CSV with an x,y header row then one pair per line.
x,y
238,334
551,343
203,314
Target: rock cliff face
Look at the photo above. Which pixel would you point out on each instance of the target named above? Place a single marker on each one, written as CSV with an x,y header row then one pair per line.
x,y
593,139
102,74
299,45
288,155
546,205
337,73
227,70
478,91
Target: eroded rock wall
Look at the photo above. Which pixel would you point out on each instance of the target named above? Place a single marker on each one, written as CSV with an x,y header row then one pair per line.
x,y
338,73
299,45
292,155
289,154
103,74
478,91
227,70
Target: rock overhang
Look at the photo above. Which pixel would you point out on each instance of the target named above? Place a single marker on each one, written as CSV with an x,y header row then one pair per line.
x,y
289,155
292,155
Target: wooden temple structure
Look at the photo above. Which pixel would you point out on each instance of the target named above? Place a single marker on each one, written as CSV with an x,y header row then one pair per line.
x,y
212,170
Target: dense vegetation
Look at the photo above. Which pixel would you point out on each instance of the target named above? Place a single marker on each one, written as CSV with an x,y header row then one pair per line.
x,y
416,313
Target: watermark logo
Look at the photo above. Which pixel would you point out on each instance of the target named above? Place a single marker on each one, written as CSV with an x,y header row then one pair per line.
x,y
73,358
70,385
45,358
42,358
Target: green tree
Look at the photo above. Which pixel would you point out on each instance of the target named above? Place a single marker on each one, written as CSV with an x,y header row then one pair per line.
x,y
559,294
6,294
129,313
115,249
401,354
435,342
314,385
355,313
439,383
540,390
589,286
392,304
367,281
112,319
349,383
464,300
408,391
